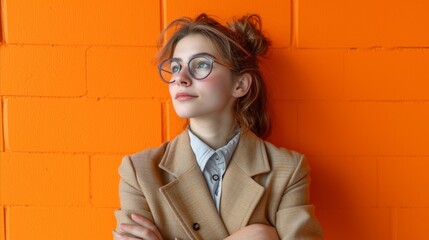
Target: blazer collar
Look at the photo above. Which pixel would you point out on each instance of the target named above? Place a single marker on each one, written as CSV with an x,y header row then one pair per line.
x,y
250,155
178,157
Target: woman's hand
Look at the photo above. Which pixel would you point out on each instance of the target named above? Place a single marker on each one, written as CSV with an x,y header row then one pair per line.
x,y
255,232
142,229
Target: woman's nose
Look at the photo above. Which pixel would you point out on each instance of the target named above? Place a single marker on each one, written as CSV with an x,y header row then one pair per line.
x,y
183,78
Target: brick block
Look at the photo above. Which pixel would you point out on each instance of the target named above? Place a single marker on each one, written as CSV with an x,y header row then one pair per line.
x,y
176,125
124,72
83,22
363,128
44,179
343,24
62,223
343,181
356,223
381,75
304,74
411,223
284,125
404,23
105,180
403,181
82,125
276,15
336,23
42,71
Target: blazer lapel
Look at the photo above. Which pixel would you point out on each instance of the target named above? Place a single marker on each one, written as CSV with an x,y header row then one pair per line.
x,y
240,192
187,195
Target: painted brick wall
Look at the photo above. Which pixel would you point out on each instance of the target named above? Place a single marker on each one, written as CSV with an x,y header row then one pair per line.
x,y
349,85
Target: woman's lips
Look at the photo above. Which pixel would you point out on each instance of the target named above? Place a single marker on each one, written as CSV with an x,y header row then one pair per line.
x,y
184,96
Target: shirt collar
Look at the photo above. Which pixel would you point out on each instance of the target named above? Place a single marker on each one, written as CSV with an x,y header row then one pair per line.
x,y
203,152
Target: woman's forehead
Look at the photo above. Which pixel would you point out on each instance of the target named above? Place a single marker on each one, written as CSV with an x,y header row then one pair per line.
x,y
194,44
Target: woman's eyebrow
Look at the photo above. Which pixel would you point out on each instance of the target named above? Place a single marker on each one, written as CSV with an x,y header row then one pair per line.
x,y
203,54
195,55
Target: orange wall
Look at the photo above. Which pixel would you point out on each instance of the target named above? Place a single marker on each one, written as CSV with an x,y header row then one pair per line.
x,y
349,84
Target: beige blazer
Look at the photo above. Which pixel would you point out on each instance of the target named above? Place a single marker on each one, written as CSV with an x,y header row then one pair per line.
x,y
262,184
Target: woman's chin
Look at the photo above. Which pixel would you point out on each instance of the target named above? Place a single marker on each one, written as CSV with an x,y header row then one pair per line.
x,y
183,114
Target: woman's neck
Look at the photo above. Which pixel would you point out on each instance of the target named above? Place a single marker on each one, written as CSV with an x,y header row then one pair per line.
x,y
214,133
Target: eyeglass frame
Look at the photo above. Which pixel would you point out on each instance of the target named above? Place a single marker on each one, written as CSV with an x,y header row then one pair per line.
x,y
179,61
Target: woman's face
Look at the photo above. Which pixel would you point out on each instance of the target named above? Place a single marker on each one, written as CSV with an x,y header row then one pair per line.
x,y
209,98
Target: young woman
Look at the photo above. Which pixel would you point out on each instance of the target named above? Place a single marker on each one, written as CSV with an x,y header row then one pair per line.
x,y
218,179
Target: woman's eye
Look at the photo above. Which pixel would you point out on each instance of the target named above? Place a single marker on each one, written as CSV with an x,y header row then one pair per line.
x,y
175,69
203,64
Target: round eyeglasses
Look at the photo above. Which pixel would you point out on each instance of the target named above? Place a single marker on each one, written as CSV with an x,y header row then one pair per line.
x,y
199,67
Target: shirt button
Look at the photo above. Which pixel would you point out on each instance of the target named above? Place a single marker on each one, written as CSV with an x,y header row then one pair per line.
x,y
196,226
215,177
217,157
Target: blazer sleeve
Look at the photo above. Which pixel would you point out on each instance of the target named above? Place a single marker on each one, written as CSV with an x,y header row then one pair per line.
x,y
132,199
295,217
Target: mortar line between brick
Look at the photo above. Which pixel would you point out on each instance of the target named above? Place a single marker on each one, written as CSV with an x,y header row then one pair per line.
x,y
377,180
391,48
90,182
4,125
2,128
5,212
294,23
3,21
86,71
89,98
162,14
343,74
89,44
394,220
71,152
59,206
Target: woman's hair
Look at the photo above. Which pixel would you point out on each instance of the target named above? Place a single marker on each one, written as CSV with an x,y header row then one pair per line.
x,y
240,43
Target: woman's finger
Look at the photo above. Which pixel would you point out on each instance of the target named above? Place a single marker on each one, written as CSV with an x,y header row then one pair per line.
x,y
138,231
125,236
147,224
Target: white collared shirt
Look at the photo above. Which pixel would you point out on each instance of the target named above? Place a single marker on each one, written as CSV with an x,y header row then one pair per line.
x,y
213,163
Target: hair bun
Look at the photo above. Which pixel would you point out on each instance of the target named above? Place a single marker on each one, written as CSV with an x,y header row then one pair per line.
x,y
249,33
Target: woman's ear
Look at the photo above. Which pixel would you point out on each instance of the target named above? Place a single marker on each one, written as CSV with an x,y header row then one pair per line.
x,y
242,85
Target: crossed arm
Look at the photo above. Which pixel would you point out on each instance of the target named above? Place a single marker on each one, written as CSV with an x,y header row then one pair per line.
x,y
145,229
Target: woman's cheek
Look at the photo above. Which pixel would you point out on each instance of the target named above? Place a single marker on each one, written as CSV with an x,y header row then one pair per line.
x,y
218,81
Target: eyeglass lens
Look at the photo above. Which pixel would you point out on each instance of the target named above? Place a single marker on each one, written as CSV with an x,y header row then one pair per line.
x,y
199,68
